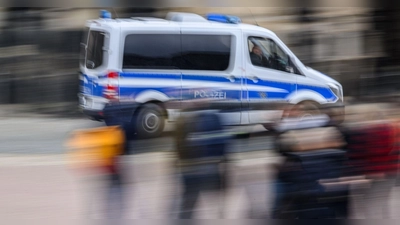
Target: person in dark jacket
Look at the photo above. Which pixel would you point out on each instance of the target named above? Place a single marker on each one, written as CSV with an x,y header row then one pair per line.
x,y
311,150
201,151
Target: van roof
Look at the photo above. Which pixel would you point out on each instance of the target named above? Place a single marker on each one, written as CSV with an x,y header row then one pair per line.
x,y
181,20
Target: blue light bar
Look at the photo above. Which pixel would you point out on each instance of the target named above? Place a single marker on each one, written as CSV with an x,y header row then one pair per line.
x,y
104,14
223,18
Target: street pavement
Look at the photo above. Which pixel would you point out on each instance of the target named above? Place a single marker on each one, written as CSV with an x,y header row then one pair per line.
x,y
38,134
40,184
38,181
33,188
46,187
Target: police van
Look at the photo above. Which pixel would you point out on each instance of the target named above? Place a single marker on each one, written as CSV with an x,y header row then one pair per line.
x,y
152,61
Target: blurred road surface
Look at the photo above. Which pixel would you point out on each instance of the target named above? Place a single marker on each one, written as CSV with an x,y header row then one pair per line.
x,y
45,135
45,187
37,182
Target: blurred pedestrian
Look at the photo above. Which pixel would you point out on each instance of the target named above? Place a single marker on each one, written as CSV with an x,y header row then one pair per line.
x,y
121,115
312,151
96,152
373,152
201,145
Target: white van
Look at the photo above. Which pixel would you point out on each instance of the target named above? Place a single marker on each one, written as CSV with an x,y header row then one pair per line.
x,y
151,61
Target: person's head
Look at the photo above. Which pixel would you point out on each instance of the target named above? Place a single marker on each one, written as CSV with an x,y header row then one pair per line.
x,y
257,50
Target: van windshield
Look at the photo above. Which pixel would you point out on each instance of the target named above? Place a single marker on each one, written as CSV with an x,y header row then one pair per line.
x,y
94,49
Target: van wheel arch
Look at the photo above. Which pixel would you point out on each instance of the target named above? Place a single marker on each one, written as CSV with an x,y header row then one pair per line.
x,y
313,105
154,111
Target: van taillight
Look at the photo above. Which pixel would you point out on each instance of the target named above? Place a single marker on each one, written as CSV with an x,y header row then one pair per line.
x,y
112,75
111,90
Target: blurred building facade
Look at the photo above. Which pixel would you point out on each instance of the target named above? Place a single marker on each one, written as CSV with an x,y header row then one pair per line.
x,y
357,46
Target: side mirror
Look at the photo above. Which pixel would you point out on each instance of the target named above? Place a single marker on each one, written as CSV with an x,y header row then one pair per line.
x,y
289,69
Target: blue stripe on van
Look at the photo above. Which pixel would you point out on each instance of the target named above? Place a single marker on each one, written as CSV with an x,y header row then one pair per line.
x,y
132,92
97,90
149,75
257,95
190,77
326,92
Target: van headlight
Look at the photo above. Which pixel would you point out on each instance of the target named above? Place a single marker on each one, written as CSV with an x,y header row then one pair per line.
x,y
337,91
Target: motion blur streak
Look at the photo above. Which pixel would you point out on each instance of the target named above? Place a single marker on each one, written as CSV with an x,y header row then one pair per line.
x,y
308,166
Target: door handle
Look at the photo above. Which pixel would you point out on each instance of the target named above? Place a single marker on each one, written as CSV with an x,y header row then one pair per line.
x,y
231,78
253,78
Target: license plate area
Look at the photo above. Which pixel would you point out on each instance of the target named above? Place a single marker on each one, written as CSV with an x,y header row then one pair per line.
x,y
85,102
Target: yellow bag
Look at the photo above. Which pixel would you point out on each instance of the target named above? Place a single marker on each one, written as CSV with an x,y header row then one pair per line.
x,y
95,148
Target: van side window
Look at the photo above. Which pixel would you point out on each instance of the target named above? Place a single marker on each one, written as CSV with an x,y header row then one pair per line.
x,y
206,52
152,51
280,59
260,52
94,55
83,45
266,53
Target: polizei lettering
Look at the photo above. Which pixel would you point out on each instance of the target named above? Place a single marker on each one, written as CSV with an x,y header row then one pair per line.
x,y
210,94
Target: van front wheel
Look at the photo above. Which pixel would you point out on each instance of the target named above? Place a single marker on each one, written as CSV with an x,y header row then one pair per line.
x,y
304,110
301,111
150,121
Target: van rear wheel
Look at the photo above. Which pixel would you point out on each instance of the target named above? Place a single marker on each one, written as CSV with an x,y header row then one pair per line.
x,y
150,121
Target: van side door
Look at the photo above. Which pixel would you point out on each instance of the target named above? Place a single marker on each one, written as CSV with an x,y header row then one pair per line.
x,y
210,67
149,61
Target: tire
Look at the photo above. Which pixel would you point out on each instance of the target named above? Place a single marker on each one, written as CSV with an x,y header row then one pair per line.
x,y
150,121
304,110
269,127
337,116
300,110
